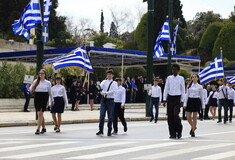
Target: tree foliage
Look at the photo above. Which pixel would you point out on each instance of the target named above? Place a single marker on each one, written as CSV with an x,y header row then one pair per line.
x,y
207,41
226,40
141,33
113,31
135,71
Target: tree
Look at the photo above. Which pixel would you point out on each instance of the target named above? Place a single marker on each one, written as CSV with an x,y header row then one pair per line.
x,y
226,40
207,41
102,22
135,71
140,37
113,31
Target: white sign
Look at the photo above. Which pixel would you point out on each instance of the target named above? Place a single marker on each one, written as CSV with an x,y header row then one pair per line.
x,y
28,79
147,86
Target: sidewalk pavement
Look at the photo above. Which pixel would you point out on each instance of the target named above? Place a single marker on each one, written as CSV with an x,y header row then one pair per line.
x,y
8,119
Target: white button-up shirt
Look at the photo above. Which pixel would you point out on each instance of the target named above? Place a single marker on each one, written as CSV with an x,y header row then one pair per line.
x,y
223,91
59,91
120,95
231,94
156,92
195,91
174,87
104,86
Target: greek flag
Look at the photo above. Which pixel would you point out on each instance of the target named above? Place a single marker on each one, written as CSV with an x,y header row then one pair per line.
x,y
213,71
164,34
47,10
173,43
232,80
79,58
30,17
228,77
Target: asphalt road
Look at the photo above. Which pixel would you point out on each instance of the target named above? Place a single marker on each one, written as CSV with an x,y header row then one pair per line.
x,y
143,140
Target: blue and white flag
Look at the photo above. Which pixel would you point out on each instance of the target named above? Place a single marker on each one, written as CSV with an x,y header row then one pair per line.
x,y
214,70
47,10
77,59
30,17
164,34
228,77
232,80
173,43
45,34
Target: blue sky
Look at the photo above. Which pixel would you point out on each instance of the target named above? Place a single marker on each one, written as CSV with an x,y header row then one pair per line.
x,y
90,9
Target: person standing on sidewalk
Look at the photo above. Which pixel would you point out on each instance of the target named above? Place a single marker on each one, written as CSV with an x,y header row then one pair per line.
x,y
42,88
174,93
156,97
194,101
27,96
212,101
119,100
207,107
60,101
108,88
92,94
223,101
231,98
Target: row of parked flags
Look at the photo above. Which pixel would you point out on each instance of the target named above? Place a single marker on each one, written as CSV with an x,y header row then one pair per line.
x,y
32,16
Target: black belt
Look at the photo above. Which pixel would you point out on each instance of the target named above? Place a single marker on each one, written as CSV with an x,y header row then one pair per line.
x,y
108,99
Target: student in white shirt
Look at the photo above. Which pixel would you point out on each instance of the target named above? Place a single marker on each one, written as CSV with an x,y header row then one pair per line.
x,y
156,97
42,88
194,99
174,92
108,87
60,101
231,100
119,100
212,101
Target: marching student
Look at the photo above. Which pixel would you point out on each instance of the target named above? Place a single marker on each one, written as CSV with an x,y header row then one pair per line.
x,y
42,88
108,87
156,97
119,100
223,101
194,100
174,93
212,101
60,101
231,98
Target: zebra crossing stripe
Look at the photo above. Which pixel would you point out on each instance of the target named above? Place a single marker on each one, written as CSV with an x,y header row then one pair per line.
x,y
5,143
33,146
126,150
64,150
217,156
183,151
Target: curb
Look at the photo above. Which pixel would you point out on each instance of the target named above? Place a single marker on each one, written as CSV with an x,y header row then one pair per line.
x,y
34,123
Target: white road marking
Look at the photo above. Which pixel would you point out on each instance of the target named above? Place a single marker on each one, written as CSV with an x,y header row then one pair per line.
x,y
126,150
183,151
6,149
11,142
217,156
64,150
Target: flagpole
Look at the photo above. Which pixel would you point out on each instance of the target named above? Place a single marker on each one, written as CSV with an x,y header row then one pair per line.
x,y
170,13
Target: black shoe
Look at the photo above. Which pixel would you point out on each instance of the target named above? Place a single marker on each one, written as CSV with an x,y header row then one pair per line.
x,y
99,133
179,135
184,118
172,137
193,134
114,133
151,120
225,122
109,133
219,121
155,121
55,127
43,130
191,131
57,130
230,121
125,128
26,111
37,131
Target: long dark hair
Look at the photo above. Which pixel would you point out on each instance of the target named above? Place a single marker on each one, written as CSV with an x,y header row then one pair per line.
x,y
38,79
191,82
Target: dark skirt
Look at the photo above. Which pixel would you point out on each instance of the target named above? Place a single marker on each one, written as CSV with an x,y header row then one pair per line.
x,y
193,105
58,106
40,101
213,102
92,96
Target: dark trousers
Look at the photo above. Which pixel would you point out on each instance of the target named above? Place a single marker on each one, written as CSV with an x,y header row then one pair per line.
x,y
27,99
173,119
184,114
230,107
200,113
206,112
154,102
118,113
106,105
224,103
73,101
